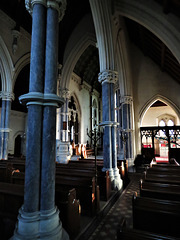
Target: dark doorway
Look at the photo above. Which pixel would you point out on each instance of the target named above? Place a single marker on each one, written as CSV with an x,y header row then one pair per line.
x,y
17,146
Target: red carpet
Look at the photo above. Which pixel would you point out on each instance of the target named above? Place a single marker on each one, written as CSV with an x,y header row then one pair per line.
x,y
162,159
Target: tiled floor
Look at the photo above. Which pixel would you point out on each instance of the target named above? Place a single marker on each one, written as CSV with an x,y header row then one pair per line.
x,y
107,229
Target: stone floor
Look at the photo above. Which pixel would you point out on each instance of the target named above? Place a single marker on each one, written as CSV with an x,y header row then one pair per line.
x,y
107,229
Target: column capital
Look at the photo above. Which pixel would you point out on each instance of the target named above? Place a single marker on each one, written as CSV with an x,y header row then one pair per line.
x,y
59,5
108,76
7,95
65,93
126,99
30,3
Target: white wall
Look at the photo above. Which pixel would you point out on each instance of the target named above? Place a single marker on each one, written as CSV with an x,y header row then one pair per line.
x,y
153,113
17,126
148,82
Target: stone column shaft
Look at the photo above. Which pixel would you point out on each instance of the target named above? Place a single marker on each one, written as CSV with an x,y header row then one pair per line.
x,y
49,120
3,109
33,152
6,133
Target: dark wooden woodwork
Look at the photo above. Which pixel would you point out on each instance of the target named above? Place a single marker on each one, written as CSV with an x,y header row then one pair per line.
x,y
155,215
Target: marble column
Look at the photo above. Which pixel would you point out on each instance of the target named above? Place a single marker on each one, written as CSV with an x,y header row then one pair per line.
x,y
3,109
127,127
63,154
50,224
8,96
107,79
27,226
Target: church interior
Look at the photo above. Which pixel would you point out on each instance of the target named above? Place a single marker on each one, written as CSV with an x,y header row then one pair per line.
x,y
89,119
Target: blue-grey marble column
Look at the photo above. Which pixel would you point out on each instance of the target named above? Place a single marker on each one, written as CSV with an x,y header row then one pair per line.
x,y
65,116
3,109
50,225
108,78
6,132
127,128
28,219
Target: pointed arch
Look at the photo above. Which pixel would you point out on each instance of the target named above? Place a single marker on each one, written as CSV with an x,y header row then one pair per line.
x,y
77,44
153,100
150,15
20,64
78,107
6,67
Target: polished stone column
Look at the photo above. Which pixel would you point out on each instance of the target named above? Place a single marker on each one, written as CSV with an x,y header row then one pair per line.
x,y
3,109
50,224
29,217
65,115
8,98
127,127
63,154
108,78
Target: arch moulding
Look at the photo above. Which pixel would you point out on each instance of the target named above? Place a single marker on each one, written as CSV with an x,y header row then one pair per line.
x,y
153,100
150,15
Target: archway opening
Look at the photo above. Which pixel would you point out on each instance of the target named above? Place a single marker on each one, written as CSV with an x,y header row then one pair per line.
x,y
160,133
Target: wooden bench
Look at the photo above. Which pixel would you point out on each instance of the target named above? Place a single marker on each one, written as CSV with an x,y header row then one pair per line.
x,y
86,191
164,170
12,196
162,178
103,178
124,233
165,165
155,215
160,190
89,151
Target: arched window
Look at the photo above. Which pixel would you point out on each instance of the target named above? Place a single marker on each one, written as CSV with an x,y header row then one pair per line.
x,y
170,123
162,123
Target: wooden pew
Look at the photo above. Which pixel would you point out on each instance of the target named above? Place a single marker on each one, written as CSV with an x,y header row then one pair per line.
x,y
124,233
11,199
86,191
165,165
103,178
162,178
155,215
69,207
160,190
164,170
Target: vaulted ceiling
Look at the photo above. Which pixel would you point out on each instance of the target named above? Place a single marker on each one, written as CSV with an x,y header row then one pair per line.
x,y
87,67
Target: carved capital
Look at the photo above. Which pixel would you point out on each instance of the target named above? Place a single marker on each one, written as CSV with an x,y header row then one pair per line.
x,y
30,3
7,95
126,100
59,5
108,76
65,93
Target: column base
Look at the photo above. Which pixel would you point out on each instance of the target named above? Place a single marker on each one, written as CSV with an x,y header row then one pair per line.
x,y
62,152
51,226
44,225
130,162
27,227
117,182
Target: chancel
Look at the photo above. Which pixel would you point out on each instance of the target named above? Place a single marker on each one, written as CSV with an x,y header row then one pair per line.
x,y
90,119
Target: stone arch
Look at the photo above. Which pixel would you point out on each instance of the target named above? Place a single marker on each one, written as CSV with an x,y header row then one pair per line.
x,y
78,113
77,44
21,63
6,67
153,100
150,15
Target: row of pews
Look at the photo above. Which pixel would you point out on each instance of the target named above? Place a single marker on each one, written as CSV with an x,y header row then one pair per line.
x,y
156,209
78,191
